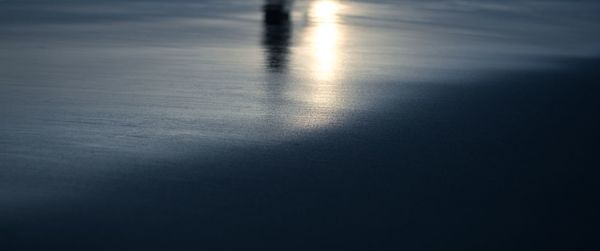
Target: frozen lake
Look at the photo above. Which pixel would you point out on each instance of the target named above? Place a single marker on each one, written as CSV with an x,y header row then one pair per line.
x,y
94,92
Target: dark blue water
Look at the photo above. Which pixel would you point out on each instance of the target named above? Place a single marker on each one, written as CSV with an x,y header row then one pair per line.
x,y
367,125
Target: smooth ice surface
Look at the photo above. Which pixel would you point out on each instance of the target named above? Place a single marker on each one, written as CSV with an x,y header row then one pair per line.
x,y
97,91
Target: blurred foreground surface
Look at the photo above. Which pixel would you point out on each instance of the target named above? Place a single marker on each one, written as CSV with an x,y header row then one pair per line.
x,y
369,125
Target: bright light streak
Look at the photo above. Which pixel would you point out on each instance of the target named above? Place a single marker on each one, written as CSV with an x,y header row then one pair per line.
x,y
324,38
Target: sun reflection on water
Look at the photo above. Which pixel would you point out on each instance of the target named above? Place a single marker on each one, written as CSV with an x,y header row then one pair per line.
x,y
323,54
324,38
319,91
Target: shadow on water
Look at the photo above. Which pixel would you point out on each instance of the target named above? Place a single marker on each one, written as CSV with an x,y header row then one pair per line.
x,y
276,41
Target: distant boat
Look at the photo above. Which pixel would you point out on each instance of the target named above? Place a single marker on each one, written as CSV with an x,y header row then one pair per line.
x,y
277,11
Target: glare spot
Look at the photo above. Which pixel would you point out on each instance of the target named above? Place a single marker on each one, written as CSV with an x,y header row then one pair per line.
x,y
324,38
324,43
325,11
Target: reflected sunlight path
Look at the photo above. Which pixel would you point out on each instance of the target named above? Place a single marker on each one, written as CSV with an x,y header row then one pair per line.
x,y
323,38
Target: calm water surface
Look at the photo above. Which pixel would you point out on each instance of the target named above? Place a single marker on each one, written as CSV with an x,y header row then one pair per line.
x,y
93,91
